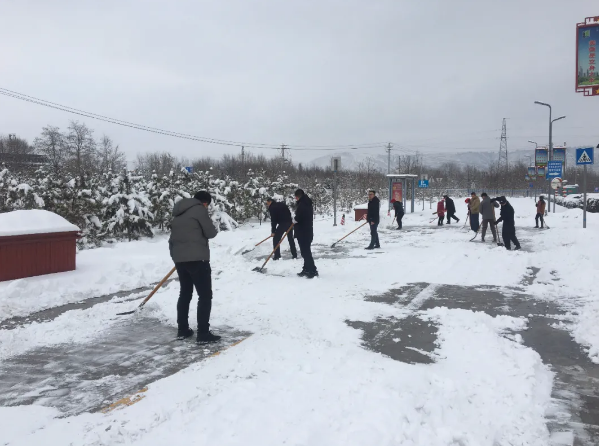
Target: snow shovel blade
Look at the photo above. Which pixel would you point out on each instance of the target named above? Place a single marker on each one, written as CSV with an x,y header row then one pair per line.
x,y
126,312
259,269
246,251
333,245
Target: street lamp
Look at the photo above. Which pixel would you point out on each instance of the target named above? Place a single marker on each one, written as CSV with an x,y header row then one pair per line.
x,y
533,142
551,121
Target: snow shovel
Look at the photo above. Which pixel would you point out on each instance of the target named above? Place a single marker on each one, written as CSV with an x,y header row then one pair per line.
x,y
156,288
260,269
333,245
499,242
475,235
250,250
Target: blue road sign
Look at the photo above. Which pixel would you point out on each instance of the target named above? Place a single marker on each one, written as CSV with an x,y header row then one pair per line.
x,y
531,185
554,170
585,156
189,169
423,184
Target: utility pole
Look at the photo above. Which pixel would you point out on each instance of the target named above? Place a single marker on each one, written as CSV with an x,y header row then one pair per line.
x,y
389,158
283,147
503,160
242,157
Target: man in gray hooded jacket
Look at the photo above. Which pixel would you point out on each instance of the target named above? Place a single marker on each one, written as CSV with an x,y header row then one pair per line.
x,y
487,209
191,228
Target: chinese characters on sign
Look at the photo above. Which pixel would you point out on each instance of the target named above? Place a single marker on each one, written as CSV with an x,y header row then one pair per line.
x,y
587,72
396,192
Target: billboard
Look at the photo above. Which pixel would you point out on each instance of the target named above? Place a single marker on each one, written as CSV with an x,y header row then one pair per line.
x,y
541,157
541,172
559,154
587,70
396,193
532,172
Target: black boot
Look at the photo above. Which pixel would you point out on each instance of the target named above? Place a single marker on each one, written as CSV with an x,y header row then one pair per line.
x,y
184,333
369,247
302,274
204,338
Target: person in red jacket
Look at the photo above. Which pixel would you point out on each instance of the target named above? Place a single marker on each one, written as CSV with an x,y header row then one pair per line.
x,y
441,212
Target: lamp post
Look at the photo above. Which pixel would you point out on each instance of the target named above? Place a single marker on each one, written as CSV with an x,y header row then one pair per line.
x,y
551,121
535,164
563,167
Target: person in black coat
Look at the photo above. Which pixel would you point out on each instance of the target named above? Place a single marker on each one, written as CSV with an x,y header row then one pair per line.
x,y
399,212
508,232
280,221
304,232
450,207
373,219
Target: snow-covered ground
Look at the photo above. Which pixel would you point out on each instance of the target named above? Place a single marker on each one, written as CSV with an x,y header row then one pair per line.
x,y
303,377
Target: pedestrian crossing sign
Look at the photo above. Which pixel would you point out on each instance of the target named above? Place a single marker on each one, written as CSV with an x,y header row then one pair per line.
x,y
585,156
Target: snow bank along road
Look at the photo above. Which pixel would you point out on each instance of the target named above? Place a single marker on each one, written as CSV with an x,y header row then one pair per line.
x,y
430,340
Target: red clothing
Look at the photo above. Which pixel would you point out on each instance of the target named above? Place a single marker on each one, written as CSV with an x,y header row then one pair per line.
x,y
441,208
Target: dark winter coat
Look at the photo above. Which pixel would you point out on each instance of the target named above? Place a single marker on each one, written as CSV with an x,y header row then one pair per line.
x,y
374,206
487,208
450,206
507,216
398,207
304,217
191,229
279,215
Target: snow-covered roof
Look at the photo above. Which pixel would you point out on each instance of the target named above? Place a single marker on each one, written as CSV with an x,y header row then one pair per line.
x,y
402,175
361,206
35,221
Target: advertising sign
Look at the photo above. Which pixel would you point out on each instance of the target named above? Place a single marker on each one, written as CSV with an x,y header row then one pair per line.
x,y
532,171
541,172
587,70
554,169
559,154
396,192
541,157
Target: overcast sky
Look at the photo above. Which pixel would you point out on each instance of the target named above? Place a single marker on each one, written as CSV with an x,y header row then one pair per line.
x,y
427,75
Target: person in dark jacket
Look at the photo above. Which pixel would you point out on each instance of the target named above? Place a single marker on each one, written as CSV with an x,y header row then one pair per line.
x,y
191,229
508,232
304,232
280,221
450,208
399,212
373,219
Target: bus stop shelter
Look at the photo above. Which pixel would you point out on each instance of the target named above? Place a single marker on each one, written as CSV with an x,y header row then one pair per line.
x,y
398,186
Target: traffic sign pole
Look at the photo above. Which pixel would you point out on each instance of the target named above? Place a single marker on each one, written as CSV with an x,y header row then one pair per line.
x,y
584,195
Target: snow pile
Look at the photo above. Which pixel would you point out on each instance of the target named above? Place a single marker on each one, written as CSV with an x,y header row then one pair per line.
x,y
35,221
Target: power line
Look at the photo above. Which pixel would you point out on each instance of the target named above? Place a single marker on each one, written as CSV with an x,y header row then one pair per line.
x,y
79,112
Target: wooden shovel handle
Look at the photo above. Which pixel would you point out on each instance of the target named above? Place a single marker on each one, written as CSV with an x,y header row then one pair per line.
x,y
263,240
277,247
157,287
351,232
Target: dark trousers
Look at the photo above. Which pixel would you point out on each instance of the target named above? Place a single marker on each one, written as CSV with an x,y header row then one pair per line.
x,y
537,217
305,246
441,218
509,235
279,232
399,218
451,215
374,235
196,274
474,222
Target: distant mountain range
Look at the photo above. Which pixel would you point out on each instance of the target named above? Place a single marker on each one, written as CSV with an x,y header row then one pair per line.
x,y
480,159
